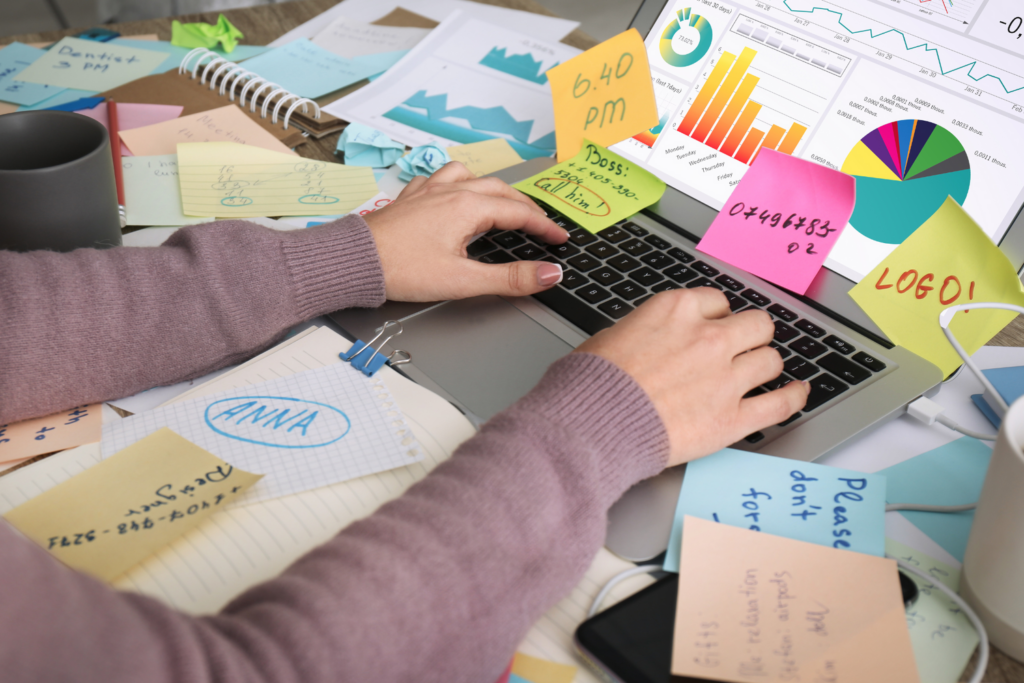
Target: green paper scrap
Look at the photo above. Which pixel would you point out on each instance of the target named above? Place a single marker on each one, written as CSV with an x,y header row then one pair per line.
x,y
152,192
942,636
596,188
200,34
88,65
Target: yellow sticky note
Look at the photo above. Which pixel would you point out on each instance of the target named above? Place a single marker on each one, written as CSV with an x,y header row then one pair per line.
x,y
756,607
486,156
109,518
226,124
604,94
20,440
596,188
947,261
538,670
229,180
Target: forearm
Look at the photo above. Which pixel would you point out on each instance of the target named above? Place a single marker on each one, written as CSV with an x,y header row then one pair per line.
x,y
96,325
441,584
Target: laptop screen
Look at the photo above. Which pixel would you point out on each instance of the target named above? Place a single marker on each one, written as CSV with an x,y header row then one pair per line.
x,y
918,99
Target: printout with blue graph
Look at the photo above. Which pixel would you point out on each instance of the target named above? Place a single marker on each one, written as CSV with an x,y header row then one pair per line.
x,y
466,82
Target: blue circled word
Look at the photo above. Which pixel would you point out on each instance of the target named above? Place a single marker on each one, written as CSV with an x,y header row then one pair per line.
x,y
277,421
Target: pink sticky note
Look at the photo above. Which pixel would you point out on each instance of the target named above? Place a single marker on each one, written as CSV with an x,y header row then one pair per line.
x,y
130,115
782,220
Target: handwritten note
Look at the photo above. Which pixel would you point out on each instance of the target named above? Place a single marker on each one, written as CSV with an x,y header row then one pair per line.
x,y
14,58
305,431
941,634
537,670
604,95
88,65
486,156
117,513
814,503
308,70
947,261
782,220
231,180
152,191
349,38
756,607
67,429
226,124
131,116
596,188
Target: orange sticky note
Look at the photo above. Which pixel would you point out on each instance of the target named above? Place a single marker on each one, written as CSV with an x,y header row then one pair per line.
x,y
57,432
227,124
756,607
604,94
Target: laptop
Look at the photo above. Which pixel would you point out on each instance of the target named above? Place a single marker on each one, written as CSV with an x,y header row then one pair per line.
x,y
731,78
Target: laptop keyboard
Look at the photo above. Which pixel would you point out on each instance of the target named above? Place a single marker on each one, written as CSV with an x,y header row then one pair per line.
x,y
607,275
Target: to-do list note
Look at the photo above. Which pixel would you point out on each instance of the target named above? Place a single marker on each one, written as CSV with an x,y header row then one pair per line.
x,y
755,607
782,220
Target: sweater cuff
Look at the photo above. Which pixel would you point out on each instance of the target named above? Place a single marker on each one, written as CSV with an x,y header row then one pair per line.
x,y
602,406
334,266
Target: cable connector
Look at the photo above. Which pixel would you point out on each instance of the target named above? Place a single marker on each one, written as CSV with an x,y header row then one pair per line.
x,y
925,410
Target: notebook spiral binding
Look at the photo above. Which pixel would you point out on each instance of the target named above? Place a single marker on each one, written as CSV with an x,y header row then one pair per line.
x,y
369,363
230,75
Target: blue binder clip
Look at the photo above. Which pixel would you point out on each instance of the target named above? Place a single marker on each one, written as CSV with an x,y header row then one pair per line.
x,y
368,359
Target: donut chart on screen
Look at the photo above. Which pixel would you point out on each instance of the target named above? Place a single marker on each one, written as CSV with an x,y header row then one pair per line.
x,y
695,52
905,170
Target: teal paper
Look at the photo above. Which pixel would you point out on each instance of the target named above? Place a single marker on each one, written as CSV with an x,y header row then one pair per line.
x,y
512,678
63,97
947,475
308,70
365,146
422,160
1009,382
176,54
13,60
800,500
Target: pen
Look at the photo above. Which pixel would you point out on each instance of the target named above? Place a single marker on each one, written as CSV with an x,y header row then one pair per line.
x,y
115,150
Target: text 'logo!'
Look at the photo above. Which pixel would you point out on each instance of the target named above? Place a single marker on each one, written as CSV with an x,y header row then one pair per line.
x,y
277,421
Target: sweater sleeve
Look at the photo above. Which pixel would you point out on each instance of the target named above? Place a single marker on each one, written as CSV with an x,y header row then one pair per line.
x,y
439,585
95,325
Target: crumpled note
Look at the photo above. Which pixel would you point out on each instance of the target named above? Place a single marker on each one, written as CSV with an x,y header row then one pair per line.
x,y
422,160
206,35
365,146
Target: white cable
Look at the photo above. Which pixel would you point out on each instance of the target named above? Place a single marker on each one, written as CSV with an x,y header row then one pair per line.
x,y
948,422
914,507
616,580
946,318
979,669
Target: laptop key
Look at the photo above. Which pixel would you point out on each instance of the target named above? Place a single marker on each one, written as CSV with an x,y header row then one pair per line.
x,y
809,328
704,268
571,279
628,290
529,252
646,276
808,348
496,257
605,276
784,333
783,351
635,247
730,283
623,263
664,286
844,369
781,312
735,302
563,251
824,388
602,250
640,301
703,282
800,368
566,304
614,234
756,391
635,229
656,259
778,382
508,239
870,362
581,237
679,273
480,247
754,438
583,262
592,293
563,222
838,344
756,297
657,242
680,255
615,309
791,419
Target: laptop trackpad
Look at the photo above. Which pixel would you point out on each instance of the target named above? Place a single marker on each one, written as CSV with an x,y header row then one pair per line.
x,y
483,351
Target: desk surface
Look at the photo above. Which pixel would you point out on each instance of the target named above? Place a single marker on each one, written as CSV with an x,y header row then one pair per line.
x,y
265,23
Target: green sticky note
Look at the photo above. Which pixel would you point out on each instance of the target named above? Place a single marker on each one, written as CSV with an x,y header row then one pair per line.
x,y
596,188
88,65
152,192
200,34
941,634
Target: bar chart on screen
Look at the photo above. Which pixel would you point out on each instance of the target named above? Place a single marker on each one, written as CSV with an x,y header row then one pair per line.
x,y
763,88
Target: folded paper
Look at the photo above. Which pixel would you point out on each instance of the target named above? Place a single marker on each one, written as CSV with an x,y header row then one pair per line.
x,y
423,160
209,36
365,146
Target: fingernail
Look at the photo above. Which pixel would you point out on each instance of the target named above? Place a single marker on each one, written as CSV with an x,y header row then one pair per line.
x,y
549,274
807,386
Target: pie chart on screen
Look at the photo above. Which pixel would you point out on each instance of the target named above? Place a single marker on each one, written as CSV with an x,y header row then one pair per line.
x,y
905,170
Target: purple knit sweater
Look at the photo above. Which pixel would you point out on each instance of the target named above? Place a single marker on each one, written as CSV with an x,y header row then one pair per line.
x,y
439,585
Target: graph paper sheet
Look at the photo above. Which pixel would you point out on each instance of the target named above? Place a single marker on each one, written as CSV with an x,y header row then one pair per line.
x,y
314,428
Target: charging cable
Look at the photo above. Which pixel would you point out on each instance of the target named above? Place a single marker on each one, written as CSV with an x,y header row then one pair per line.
x,y
595,606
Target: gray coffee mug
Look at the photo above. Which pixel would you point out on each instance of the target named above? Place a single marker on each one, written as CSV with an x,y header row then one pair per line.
x,y
57,187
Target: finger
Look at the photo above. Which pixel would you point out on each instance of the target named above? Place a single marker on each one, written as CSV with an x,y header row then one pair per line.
x,y
711,303
757,367
414,185
452,172
772,408
507,214
519,278
750,329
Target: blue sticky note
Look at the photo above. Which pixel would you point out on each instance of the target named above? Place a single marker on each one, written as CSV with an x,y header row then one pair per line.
x,y
365,146
423,160
77,105
800,500
175,54
947,475
308,70
13,60
512,678
1009,382
61,98
981,404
